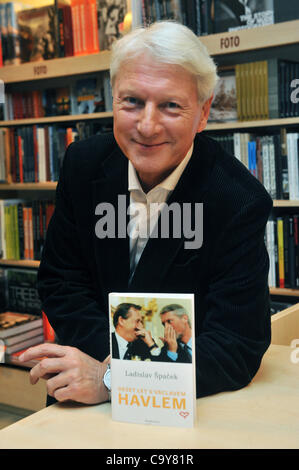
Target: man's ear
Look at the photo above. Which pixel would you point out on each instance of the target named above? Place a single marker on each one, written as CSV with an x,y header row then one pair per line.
x,y
205,111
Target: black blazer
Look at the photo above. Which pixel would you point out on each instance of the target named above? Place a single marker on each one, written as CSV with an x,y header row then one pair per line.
x,y
228,274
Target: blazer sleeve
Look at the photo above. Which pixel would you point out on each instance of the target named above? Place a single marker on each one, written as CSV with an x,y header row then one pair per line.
x,y
236,330
68,293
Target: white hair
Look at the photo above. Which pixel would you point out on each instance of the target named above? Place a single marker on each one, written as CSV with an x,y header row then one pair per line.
x,y
168,42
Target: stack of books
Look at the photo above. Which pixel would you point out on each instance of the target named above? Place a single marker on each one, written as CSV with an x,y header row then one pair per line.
x,y
19,331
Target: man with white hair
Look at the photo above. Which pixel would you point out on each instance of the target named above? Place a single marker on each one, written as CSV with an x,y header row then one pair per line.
x,y
162,81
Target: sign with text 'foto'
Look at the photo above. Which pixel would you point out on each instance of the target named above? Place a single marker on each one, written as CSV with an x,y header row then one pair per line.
x,y
152,358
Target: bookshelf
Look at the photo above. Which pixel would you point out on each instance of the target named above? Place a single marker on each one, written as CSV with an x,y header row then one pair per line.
x,y
279,34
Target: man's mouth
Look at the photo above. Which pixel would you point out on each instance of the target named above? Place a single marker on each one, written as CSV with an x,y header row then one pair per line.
x,y
150,145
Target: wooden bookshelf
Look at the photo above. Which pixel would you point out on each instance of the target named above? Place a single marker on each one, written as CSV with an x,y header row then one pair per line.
x,y
49,185
279,34
233,125
54,119
62,67
23,263
286,292
285,203
217,44
214,126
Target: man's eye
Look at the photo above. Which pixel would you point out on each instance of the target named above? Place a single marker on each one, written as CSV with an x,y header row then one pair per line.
x,y
132,101
171,105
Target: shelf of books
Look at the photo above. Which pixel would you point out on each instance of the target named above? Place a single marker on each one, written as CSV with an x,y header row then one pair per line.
x,y
217,44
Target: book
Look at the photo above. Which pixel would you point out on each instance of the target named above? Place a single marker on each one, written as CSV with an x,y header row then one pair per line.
x,y
26,335
38,37
224,105
88,96
232,15
150,384
24,344
15,323
111,16
13,33
22,291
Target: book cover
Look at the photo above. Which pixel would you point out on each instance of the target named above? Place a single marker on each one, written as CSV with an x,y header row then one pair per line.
x,y
62,101
38,33
88,97
224,105
15,323
231,15
22,292
111,15
152,358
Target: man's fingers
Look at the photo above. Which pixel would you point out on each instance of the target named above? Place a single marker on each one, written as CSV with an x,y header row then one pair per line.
x,y
61,380
45,349
107,360
63,394
45,369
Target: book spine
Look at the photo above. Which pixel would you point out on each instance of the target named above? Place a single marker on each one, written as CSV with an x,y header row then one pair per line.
x,y
280,252
276,253
21,229
286,251
273,89
26,232
272,167
292,273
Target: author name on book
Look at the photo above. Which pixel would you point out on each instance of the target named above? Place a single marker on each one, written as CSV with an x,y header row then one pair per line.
x,y
147,375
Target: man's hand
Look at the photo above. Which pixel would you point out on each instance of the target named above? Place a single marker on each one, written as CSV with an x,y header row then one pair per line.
x,y
146,336
170,338
70,373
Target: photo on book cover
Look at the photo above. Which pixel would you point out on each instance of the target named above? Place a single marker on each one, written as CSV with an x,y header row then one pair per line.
x,y
224,105
233,15
152,358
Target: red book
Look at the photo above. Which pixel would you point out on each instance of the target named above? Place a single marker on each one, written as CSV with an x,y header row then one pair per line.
x,y
26,234
49,333
91,27
68,31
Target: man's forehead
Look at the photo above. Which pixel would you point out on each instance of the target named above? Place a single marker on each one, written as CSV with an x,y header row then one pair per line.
x,y
134,312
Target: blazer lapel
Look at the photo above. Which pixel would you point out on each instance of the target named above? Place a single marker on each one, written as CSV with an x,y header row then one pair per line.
x,y
112,253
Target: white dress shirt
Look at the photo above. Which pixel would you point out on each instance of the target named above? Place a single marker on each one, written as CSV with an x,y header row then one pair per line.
x,y
143,215
122,345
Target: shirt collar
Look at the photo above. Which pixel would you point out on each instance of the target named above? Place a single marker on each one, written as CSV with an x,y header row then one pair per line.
x,y
122,343
168,183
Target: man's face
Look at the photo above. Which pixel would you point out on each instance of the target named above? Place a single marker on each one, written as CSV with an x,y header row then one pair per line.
x,y
131,325
156,115
179,324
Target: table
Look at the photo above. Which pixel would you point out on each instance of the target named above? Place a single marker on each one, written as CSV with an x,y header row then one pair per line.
x,y
265,414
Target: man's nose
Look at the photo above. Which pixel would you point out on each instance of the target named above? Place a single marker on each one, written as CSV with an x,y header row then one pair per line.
x,y
148,123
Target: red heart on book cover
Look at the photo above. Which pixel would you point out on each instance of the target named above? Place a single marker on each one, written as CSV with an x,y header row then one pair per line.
x,y
184,414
